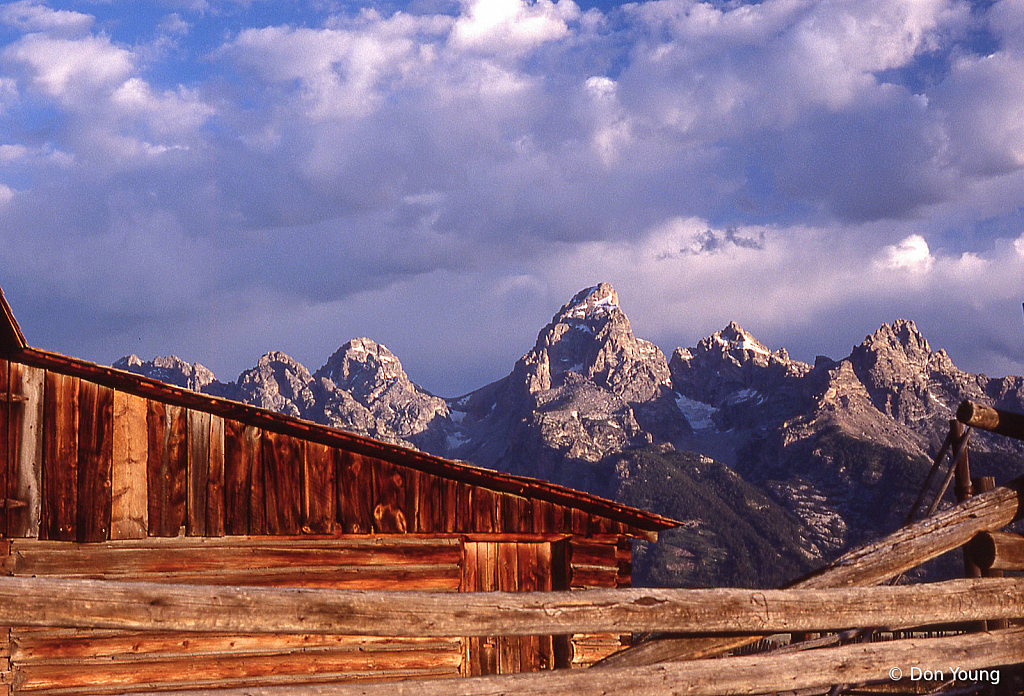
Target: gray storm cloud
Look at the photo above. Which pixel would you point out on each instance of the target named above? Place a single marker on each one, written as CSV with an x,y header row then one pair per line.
x,y
778,163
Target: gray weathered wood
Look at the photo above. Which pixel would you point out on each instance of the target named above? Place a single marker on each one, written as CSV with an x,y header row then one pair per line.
x,y
871,564
129,511
753,674
28,464
76,603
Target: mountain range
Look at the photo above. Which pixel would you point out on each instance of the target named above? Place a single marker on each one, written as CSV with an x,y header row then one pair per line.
x,y
772,464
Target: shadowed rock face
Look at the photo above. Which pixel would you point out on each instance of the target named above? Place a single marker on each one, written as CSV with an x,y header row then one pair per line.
x,y
827,455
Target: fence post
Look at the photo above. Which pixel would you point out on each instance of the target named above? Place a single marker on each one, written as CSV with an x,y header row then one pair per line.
x,y
982,484
964,490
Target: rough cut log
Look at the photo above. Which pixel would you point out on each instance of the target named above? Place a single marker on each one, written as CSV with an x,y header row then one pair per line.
x,y
78,603
994,420
871,564
862,662
998,551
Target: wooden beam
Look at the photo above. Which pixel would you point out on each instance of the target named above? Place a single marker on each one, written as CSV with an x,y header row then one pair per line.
x,y
862,662
78,603
871,564
998,551
994,420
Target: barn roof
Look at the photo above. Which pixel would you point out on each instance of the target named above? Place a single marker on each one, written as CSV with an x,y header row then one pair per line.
x,y
14,347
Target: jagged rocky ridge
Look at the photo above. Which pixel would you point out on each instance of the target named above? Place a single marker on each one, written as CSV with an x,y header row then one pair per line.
x,y
772,464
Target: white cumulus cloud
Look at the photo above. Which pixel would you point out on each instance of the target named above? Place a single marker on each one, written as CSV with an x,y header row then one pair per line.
x,y
912,254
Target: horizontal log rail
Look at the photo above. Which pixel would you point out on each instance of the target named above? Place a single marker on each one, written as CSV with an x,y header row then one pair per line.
x,y
997,551
76,603
994,420
863,662
871,564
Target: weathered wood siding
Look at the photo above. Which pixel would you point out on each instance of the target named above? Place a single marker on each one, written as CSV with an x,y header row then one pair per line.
x,y
511,566
113,485
52,661
5,431
598,562
91,463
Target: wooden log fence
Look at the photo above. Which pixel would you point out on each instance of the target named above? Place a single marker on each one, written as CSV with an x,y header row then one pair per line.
x,y
994,420
755,674
998,551
871,564
53,602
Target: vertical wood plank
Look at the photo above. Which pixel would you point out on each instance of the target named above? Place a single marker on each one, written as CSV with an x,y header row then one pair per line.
x,y
413,479
60,458
561,519
215,525
429,505
390,511
156,466
530,656
486,510
508,647
241,448
464,508
95,454
448,509
26,451
355,478
321,495
543,516
168,467
561,579
542,581
257,488
283,464
198,463
471,583
514,511
600,525
129,506
624,561
580,522
488,573
6,456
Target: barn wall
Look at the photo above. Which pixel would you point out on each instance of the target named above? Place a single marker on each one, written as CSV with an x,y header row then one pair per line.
x,y
108,484
52,660
89,463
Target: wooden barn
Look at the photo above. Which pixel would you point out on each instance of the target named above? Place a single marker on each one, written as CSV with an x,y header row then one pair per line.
x,y
106,474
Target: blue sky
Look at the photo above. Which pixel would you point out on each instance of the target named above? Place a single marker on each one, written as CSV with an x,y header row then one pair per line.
x,y
221,178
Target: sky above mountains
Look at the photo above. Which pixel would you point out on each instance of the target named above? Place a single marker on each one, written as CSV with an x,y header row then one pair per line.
x,y
220,178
